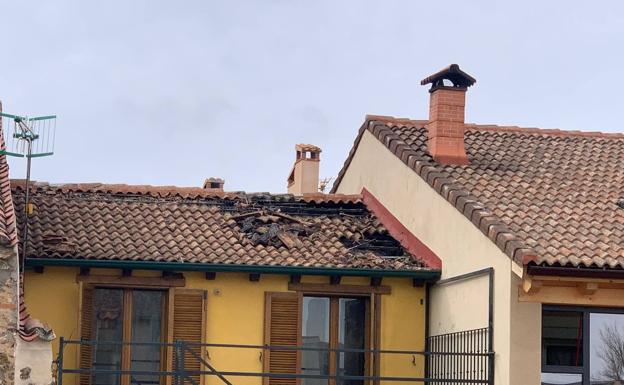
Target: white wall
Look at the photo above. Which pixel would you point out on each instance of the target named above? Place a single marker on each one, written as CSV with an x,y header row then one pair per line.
x,y
462,248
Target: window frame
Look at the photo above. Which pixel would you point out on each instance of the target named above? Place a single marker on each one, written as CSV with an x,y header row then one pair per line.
x,y
126,355
372,321
586,311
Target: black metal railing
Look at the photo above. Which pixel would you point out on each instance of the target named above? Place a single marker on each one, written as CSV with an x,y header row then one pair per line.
x,y
445,366
471,361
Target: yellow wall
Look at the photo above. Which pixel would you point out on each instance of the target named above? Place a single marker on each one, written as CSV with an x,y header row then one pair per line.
x,y
236,315
463,248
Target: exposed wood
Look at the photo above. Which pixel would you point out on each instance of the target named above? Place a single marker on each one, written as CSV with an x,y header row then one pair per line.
x,y
295,279
376,281
321,288
334,279
530,285
211,275
132,281
84,271
560,295
587,288
282,327
254,277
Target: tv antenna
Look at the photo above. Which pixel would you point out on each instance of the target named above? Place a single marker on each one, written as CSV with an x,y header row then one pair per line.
x,y
29,138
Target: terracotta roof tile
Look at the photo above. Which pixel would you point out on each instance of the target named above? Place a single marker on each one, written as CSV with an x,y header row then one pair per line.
x,y
8,233
543,196
175,224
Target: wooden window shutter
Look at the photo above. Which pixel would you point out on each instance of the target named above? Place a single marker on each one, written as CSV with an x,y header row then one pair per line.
x,y
189,325
282,327
86,332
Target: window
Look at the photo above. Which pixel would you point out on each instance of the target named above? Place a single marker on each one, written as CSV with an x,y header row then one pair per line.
x,y
318,321
334,322
112,314
582,346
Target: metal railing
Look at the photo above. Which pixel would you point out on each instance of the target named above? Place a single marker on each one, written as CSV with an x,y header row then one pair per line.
x,y
464,344
444,367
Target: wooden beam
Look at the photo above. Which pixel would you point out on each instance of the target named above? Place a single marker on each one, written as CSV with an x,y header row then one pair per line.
x,y
334,279
376,281
211,275
561,295
587,288
323,288
531,286
295,279
254,277
171,274
132,281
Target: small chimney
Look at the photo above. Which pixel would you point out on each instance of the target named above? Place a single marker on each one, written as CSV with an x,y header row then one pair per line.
x,y
446,114
304,176
215,184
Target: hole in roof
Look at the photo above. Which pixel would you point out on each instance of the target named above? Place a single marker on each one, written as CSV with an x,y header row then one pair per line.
x,y
620,203
273,229
381,244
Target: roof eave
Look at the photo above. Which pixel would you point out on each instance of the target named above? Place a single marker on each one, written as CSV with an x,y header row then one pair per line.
x,y
575,272
423,274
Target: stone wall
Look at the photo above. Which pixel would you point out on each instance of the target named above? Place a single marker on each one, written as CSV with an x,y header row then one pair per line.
x,y
8,313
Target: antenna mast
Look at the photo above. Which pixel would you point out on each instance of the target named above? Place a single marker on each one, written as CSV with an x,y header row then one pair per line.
x,y
30,138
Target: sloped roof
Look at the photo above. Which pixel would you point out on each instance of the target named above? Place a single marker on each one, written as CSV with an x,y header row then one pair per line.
x,y
8,231
545,197
193,225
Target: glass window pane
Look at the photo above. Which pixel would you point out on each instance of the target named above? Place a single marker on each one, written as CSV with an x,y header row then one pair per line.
x,y
561,379
352,335
606,338
146,327
108,314
315,333
562,338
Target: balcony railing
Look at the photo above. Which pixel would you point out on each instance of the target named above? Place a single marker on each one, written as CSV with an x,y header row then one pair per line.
x,y
457,358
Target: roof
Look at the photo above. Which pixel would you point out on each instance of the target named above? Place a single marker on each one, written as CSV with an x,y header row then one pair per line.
x,y
8,231
196,226
545,197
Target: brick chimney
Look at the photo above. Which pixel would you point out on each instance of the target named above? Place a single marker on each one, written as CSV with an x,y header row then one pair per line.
x,y
215,184
304,176
446,114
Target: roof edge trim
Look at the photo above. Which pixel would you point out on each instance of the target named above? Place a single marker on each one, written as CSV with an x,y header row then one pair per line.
x,y
428,274
401,233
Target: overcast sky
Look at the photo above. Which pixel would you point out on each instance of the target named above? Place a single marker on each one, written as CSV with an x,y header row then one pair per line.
x,y
172,92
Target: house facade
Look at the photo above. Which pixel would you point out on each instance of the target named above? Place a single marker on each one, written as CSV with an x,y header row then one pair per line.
x,y
123,272
539,210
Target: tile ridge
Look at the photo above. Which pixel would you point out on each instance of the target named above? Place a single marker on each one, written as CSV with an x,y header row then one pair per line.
x,y
544,131
160,191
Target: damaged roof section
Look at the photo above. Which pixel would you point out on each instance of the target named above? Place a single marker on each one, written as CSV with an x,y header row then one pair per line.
x,y
139,223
